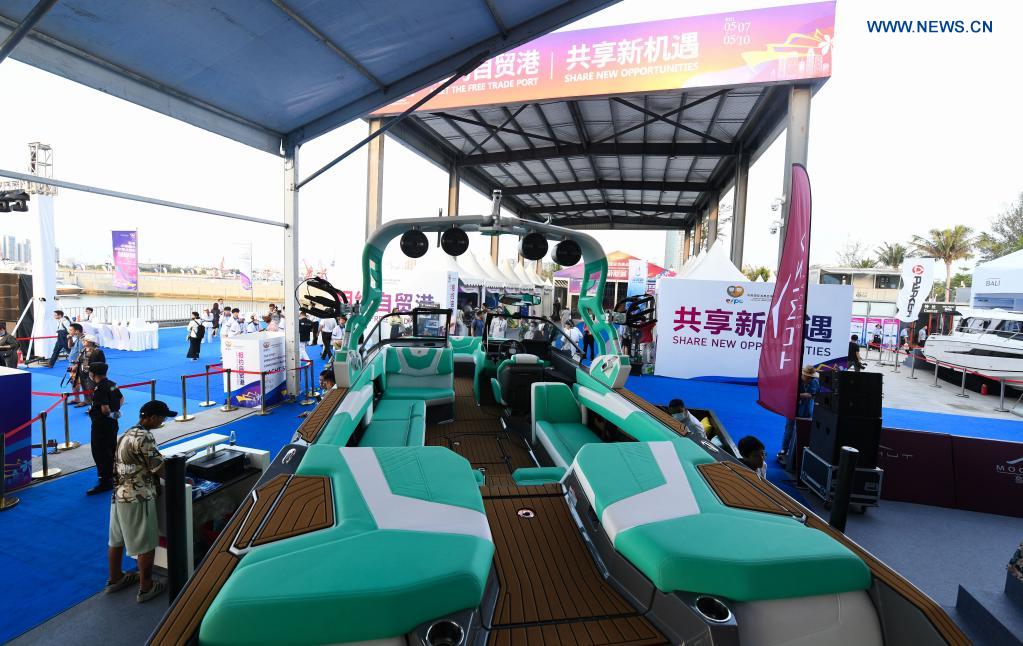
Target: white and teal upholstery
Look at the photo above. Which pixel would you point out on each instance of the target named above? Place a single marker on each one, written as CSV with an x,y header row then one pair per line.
x,y
356,405
557,423
499,382
664,518
419,373
410,543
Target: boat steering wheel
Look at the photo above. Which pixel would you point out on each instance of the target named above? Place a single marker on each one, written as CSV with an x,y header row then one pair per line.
x,y
510,348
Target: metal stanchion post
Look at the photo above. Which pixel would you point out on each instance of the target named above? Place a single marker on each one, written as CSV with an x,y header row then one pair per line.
x,y
46,472
228,407
843,488
307,398
912,365
262,394
1001,396
897,360
208,402
68,444
152,390
6,502
176,526
936,366
962,393
184,416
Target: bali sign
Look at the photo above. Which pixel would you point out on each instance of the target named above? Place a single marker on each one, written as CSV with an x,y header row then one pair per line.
x,y
758,46
715,330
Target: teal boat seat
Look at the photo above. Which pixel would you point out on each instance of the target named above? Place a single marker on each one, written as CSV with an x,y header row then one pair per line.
x,y
395,432
665,519
395,409
557,423
419,373
531,476
416,543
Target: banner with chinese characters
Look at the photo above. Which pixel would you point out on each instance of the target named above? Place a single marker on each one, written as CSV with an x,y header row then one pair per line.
x,y
637,277
406,290
712,329
126,260
757,46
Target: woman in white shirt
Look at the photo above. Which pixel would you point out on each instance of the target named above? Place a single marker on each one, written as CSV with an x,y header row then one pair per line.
x,y
194,338
207,323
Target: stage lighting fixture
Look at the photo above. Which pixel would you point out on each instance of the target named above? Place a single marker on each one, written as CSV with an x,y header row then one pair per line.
x,y
414,243
454,241
533,246
4,208
567,253
20,206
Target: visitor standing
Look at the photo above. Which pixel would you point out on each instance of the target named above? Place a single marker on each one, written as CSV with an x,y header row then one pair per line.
x,y
91,353
74,355
8,348
853,359
588,345
305,328
86,316
809,386
194,334
215,313
904,338
395,322
207,324
63,326
477,324
921,336
133,516
327,325
105,410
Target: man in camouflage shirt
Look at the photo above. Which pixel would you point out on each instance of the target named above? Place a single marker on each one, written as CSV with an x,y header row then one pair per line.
x,y
133,520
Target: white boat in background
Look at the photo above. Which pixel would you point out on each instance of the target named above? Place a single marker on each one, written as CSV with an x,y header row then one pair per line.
x,y
65,290
986,341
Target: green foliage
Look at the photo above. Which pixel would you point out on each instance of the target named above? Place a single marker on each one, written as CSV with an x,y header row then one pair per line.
x,y
1006,233
854,254
891,255
758,273
947,245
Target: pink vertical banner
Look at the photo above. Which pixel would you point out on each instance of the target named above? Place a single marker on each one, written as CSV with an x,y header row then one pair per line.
x,y
782,353
126,260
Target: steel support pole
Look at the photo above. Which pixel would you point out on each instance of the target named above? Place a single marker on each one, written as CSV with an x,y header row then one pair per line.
x,y
797,141
46,472
23,29
843,488
292,340
697,235
454,182
374,179
184,416
936,366
712,220
962,393
1001,396
307,376
262,394
208,402
176,525
152,390
739,209
912,365
228,406
495,247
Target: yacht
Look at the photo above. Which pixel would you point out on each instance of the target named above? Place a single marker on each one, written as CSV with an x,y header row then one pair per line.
x,y
986,341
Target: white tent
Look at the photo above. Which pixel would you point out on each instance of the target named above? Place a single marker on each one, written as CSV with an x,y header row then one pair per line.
x,y
713,264
508,269
472,274
998,283
533,276
523,277
492,272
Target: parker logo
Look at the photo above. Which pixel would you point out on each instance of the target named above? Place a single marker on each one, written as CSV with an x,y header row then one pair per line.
x,y
914,290
918,270
735,290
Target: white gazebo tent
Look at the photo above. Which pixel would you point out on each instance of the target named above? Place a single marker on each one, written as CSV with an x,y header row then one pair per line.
x,y
514,280
474,278
712,265
496,281
998,283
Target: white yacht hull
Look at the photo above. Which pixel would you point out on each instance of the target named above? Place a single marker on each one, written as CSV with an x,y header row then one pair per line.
x,y
988,354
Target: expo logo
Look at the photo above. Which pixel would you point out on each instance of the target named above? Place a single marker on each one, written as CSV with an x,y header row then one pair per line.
x,y
733,301
735,290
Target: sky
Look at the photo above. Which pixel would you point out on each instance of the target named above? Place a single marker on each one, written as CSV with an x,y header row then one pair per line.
x,y
912,132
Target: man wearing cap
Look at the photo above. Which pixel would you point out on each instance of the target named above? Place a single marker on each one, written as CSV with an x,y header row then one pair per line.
x,y
809,386
91,353
8,348
133,520
104,412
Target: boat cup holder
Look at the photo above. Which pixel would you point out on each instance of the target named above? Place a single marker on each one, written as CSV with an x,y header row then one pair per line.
x,y
713,609
444,633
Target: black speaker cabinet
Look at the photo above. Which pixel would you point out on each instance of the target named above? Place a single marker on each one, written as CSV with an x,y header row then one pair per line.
x,y
851,393
829,432
10,301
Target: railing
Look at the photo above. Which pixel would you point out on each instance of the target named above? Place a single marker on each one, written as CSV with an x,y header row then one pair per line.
x,y
154,313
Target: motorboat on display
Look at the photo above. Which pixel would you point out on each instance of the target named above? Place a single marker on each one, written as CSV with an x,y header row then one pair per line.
x,y
494,490
986,341
68,290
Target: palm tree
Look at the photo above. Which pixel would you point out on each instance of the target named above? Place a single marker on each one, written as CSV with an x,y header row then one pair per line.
x,y
864,263
947,245
891,255
757,273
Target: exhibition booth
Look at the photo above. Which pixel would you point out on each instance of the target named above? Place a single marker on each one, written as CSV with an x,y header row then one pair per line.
x,y
998,283
620,268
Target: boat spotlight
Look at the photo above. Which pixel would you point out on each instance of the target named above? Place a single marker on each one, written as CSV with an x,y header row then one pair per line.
x,y
567,253
454,242
533,246
414,243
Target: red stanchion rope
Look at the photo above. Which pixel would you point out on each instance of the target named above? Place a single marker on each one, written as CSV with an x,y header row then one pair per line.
x,y
29,338
37,417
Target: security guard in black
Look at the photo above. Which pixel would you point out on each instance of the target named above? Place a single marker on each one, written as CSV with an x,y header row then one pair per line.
x,y
106,406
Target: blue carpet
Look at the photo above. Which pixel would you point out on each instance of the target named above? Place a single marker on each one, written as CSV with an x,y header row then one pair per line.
x,y
166,365
53,544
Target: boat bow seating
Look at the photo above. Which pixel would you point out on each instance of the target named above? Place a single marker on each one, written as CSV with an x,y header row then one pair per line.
x,y
416,543
396,422
557,422
419,373
663,517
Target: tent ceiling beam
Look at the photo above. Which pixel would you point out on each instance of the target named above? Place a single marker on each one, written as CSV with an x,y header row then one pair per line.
x,y
580,128
610,206
543,162
482,123
493,131
611,184
501,27
24,27
647,122
670,122
687,149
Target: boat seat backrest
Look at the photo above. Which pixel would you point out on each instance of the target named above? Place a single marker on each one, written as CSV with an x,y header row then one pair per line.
x,y
354,408
409,367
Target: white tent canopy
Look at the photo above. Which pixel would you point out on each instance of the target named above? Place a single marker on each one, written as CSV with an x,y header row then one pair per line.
x,y
508,269
714,264
472,274
533,276
998,283
524,278
491,270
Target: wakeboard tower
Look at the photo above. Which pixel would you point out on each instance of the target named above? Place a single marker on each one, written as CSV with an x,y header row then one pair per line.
x,y
495,490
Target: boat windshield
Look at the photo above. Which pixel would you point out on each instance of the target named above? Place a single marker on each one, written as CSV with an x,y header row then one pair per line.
x,y
423,326
538,335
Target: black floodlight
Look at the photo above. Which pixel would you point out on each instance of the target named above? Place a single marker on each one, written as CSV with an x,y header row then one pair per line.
x,y
4,208
567,253
20,206
13,201
414,243
533,246
454,242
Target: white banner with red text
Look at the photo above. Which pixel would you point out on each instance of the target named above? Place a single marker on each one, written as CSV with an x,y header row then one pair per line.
x,y
714,330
